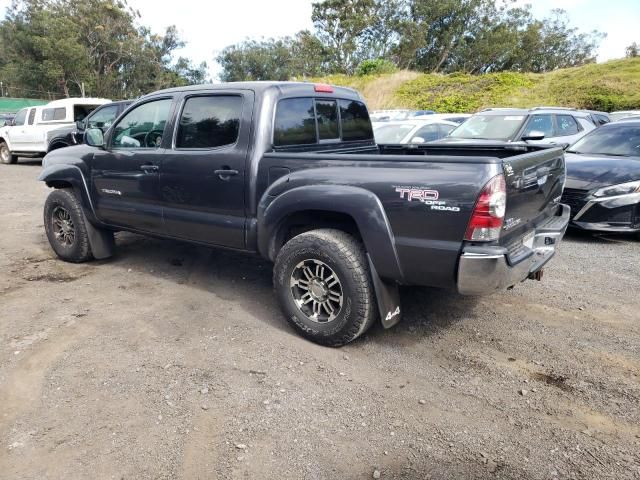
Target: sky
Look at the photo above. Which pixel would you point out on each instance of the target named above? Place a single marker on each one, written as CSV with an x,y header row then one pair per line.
x,y
209,26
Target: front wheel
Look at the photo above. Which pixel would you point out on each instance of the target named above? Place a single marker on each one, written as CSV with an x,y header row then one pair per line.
x,y
5,154
65,227
324,287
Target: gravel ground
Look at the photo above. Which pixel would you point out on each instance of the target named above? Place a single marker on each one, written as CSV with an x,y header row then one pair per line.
x,y
173,361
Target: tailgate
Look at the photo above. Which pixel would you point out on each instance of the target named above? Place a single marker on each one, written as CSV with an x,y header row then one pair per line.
x,y
534,184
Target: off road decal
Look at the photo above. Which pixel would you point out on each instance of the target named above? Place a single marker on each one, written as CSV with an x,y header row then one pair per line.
x,y
427,196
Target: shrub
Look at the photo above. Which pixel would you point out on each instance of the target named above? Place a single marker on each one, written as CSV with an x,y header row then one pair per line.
x,y
375,67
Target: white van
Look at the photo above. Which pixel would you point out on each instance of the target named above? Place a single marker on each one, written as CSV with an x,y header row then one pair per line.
x,y
27,134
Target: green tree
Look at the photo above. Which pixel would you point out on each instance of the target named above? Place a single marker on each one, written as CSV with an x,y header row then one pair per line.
x,y
633,50
356,30
96,46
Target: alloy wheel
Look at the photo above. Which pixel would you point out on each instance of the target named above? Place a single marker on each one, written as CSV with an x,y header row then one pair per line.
x,y
316,290
63,227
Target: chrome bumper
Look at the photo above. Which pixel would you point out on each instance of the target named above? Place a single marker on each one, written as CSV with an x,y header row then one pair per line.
x,y
484,273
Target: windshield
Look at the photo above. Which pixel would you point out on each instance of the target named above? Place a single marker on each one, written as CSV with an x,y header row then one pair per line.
x,y
489,127
392,133
615,140
620,115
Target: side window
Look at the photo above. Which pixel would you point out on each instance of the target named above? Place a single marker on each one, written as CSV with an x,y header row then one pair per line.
x,y
566,125
295,122
21,116
102,118
142,127
209,122
327,117
52,114
540,123
356,124
445,129
428,133
602,120
32,116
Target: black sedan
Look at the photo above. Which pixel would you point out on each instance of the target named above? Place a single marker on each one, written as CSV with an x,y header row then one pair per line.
x,y
603,179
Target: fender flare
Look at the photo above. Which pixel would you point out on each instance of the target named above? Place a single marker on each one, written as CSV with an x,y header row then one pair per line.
x,y
71,174
362,205
56,144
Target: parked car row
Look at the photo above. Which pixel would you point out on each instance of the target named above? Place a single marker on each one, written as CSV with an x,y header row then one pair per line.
x,y
601,164
602,159
27,133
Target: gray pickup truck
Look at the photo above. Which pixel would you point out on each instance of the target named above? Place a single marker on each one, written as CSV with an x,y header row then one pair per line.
x,y
290,171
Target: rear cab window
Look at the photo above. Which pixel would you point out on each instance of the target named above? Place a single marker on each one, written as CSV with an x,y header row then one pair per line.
x,y
310,121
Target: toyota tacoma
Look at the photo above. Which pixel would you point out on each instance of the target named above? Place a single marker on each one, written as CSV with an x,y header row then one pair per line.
x,y
291,171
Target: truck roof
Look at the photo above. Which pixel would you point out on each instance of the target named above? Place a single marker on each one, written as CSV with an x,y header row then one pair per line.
x,y
63,102
286,88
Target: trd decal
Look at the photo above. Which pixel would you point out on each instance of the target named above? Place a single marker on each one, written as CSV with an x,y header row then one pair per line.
x,y
417,194
426,196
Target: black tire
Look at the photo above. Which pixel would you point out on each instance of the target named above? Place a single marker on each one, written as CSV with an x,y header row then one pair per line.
x,y
345,257
63,214
6,156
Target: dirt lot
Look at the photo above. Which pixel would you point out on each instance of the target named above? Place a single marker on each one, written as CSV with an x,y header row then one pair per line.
x,y
173,361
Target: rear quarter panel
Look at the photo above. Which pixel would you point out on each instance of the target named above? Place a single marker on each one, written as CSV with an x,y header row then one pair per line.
x,y
427,202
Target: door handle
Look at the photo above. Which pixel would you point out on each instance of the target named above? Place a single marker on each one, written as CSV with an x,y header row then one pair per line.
x,y
225,173
149,168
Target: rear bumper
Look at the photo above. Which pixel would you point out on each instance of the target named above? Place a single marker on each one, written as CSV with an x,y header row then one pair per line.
x,y
484,272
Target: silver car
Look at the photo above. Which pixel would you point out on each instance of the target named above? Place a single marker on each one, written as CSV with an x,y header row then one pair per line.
x,y
540,125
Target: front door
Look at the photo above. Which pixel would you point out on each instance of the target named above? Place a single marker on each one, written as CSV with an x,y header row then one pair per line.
x,y
202,179
16,132
125,175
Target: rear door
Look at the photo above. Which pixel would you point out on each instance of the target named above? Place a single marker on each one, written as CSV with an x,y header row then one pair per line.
x,y
534,184
202,179
125,175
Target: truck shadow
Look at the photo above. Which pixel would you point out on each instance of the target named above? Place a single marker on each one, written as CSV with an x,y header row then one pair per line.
x,y
246,280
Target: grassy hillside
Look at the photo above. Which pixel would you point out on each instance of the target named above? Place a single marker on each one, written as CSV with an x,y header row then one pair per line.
x,y
614,85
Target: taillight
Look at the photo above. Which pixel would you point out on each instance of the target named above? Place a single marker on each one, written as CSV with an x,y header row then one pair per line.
x,y
488,213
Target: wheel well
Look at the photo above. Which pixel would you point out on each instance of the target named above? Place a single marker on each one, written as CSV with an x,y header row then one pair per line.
x,y
307,220
2,140
59,184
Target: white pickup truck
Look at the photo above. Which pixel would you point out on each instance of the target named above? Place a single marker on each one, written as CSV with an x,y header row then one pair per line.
x,y
26,136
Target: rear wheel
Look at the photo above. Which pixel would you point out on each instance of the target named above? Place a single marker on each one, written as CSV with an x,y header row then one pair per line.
x,y
5,154
324,287
65,227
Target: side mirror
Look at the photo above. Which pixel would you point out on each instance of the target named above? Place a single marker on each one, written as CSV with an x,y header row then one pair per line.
x,y
533,135
417,140
94,137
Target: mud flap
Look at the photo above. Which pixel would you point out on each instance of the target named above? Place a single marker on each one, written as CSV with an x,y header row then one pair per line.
x,y
388,298
101,241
